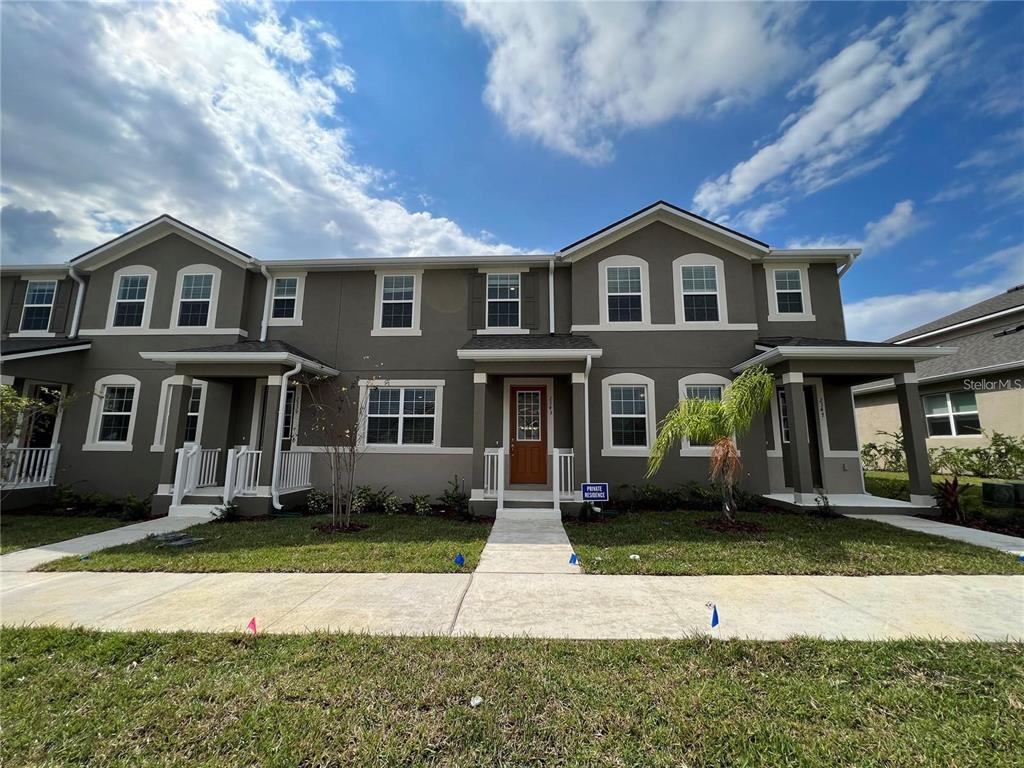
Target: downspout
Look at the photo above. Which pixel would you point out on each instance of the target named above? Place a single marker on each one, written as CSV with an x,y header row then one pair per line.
x,y
79,300
281,403
849,263
586,416
551,296
266,302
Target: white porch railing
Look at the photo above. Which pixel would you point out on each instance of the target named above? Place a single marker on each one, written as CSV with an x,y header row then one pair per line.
x,y
242,474
294,470
206,468
196,468
494,475
29,467
562,475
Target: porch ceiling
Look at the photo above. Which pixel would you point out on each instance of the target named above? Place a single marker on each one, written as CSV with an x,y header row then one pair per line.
x,y
245,356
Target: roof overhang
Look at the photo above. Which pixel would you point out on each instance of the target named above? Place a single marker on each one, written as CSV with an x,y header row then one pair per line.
x,y
526,355
774,355
962,324
400,262
81,346
150,232
284,358
881,386
29,271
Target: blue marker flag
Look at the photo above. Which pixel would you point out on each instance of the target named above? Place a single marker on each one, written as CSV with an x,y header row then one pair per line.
x,y
573,559
714,616
460,560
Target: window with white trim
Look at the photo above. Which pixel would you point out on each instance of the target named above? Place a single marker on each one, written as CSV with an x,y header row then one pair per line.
x,y
195,299
952,414
789,296
628,415
702,392
783,415
116,414
289,413
503,300
401,416
39,295
397,298
625,295
700,293
194,411
130,303
286,290
195,408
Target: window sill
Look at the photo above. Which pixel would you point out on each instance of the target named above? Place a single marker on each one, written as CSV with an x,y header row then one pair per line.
x,y
284,321
801,317
702,452
396,332
33,335
107,447
502,331
955,437
638,452
381,448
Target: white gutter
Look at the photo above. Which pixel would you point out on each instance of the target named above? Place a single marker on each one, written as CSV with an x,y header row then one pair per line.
x,y
79,300
239,357
586,418
281,403
844,353
551,296
849,263
266,302
521,355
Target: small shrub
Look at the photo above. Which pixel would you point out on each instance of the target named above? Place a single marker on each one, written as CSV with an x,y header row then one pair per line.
x,y
1003,457
318,502
824,505
947,494
420,503
134,508
391,504
228,513
455,499
363,499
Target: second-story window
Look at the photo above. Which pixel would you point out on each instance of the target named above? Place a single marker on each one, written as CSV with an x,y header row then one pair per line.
x,y
194,307
285,291
625,295
397,301
503,300
130,306
789,297
38,305
700,294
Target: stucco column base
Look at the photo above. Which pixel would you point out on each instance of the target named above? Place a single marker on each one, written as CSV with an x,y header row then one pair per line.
x,y
479,422
914,437
799,438
177,418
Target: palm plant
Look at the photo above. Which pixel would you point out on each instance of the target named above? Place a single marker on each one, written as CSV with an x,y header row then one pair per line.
x,y
718,423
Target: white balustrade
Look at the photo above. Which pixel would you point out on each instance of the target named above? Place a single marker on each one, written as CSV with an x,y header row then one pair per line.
x,y
29,467
561,475
206,467
247,471
294,470
492,457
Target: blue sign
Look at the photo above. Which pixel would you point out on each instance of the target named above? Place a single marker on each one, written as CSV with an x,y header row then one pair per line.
x,y
594,491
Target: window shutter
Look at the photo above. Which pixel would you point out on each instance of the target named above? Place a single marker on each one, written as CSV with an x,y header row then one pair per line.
x,y
529,283
477,300
61,302
13,321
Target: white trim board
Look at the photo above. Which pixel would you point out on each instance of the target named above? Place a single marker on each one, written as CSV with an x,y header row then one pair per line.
x,y
45,352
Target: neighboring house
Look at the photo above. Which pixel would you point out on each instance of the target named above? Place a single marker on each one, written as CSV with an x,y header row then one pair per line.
x,y
521,375
977,389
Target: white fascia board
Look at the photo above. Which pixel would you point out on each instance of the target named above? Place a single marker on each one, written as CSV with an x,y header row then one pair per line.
x,y
44,352
400,262
838,255
238,357
963,324
30,269
523,355
864,389
844,353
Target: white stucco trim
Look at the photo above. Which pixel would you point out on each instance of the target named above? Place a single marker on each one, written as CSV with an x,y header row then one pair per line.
x,y
667,327
113,380
45,352
775,354
697,380
805,289
163,409
378,303
187,331
700,260
211,316
626,379
300,292
624,260
147,308
517,355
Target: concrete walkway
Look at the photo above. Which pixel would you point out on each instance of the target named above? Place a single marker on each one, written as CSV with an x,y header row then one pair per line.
x,y
533,605
527,541
27,559
1009,544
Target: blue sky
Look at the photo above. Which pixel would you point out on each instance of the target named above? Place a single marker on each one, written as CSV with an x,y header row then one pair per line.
x,y
335,129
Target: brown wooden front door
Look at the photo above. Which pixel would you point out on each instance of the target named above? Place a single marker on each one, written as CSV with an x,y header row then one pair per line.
x,y
528,434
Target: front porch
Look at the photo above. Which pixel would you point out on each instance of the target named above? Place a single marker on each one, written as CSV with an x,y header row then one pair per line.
x,y
246,454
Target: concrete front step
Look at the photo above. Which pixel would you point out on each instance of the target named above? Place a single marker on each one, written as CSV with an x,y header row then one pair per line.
x,y
194,510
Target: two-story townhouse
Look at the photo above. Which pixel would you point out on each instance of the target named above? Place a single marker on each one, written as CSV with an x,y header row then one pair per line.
x,y
520,375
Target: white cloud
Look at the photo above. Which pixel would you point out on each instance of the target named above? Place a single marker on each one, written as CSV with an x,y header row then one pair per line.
x,y
896,225
574,75
115,114
952,192
882,317
754,220
855,97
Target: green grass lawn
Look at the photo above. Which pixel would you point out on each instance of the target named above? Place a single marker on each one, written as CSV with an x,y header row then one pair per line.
x,y
792,543
391,543
94,699
24,531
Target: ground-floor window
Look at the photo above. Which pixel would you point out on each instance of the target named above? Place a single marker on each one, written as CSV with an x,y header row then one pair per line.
x,y
952,414
112,416
401,415
701,386
628,405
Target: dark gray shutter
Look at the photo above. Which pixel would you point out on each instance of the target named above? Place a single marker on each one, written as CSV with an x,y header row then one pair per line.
x,y
13,322
477,300
61,303
530,290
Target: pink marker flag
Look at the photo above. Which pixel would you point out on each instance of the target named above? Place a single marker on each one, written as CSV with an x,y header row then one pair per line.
x,y
252,625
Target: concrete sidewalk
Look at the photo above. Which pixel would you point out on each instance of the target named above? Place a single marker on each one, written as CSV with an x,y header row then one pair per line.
x,y
533,605
26,559
527,541
1012,545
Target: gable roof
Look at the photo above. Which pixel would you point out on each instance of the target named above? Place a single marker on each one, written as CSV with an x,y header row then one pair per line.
x,y
151,231
670,214
1003,303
